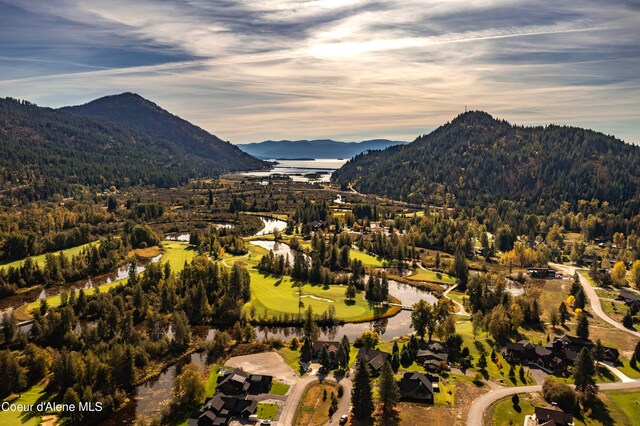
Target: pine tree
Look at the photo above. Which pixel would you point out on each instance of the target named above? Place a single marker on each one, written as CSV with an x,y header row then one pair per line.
x,y
361,393
564,313
583,375
388,391
582,329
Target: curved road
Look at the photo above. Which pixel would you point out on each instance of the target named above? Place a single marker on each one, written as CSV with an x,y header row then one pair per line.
x,y
474,418
593,298
297,390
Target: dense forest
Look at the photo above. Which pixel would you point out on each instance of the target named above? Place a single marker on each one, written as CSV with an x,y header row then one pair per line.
x,y
478,159
47,152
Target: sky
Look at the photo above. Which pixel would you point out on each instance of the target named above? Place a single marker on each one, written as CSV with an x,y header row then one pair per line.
x,y
251,70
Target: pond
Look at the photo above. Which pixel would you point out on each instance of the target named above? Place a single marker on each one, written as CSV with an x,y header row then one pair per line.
x,y
271,225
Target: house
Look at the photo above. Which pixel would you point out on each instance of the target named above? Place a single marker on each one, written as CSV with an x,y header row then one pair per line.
x,y
220,409
525,352
541,272
552,415
374,358
568,347
427,355
416,386
237,382
628,297
332,348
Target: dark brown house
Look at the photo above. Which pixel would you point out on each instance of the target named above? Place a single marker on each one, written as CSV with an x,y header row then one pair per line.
x,y
416,386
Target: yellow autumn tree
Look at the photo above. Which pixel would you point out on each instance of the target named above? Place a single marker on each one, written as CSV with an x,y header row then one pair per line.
x,y
618,274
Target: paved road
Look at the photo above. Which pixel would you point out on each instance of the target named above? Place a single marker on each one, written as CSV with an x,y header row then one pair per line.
x,y
295,394
593,298
477,409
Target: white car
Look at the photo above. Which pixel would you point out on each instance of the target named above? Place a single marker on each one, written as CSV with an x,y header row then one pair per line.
x,y
343,419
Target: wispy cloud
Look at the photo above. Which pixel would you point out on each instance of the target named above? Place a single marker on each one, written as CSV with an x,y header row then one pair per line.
x,y
354,69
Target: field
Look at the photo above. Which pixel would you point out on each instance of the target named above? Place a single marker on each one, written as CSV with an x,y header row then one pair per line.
x,y
432,276
272,295
313,411
73,251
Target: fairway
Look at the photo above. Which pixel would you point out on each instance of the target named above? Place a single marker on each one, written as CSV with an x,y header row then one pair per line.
x,y
30,396
432,276
278,295
366,259
176,253
73,251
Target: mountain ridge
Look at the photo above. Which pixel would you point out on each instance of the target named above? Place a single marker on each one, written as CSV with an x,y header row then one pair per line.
x,y
47,152
138,113
314,148
480,159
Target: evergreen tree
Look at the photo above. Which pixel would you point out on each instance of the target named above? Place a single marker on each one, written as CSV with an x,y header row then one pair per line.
x,y
583,375
361,393
388,392
461,270
564,313
582,329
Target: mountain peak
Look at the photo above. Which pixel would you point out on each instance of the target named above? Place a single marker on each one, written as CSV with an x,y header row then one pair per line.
x,y
474,118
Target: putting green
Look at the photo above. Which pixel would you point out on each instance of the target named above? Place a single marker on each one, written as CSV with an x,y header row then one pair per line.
x,y
279,295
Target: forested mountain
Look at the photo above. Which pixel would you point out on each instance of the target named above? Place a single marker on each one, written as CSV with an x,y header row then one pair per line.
x,y
479,159
319,148
135,112
46,151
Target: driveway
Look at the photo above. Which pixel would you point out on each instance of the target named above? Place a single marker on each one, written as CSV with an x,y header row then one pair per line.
x,y
295,395
594,299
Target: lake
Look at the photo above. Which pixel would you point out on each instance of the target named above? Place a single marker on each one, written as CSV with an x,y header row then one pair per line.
x,y
298,169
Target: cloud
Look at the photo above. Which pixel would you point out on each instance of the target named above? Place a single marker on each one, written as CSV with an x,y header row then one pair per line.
x,y
282,69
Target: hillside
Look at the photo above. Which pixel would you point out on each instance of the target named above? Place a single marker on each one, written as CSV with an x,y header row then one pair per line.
x,y
319,148
479,159
137,113
46,152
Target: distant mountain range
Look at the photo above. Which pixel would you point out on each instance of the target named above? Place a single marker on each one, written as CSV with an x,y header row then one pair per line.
x,y
117,140
319,148
478,160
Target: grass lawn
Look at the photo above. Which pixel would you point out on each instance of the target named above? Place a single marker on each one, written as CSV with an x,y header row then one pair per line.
x,y
40,259
32,395
279,388
272,295
212,380
616,408
626,404
432,276
480,345
312,410
267,411
634,373
367,259
291,358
